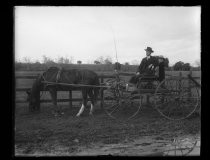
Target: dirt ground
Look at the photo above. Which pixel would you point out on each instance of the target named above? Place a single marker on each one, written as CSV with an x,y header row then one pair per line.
x,y
43,134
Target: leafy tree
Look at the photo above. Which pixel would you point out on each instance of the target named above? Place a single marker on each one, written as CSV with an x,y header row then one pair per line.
x,y
100,59
47,60
66,61
37,62
126,66
96,62
186,67
26,60
79,62
108,60
69,60
178,66
60,60
181,66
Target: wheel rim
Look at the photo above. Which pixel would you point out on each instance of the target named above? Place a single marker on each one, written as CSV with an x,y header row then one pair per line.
x,y
120,104
174,100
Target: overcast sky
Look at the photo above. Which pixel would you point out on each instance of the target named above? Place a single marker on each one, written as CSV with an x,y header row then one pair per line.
x,y
86,33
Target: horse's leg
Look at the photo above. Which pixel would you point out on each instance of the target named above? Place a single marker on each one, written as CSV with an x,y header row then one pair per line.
x,y
53,94
84,102
91,95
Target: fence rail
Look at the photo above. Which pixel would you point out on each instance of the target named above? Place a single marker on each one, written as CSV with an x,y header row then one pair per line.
x,y
100,76
70,99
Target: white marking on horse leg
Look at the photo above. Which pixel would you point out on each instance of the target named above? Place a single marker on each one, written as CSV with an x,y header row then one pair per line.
x,y
81,110
91,109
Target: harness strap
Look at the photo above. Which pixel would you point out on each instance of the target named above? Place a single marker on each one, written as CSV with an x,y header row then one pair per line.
x,y
58,75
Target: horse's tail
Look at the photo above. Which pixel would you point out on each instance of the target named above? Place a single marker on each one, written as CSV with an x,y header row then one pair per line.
x,y
96,89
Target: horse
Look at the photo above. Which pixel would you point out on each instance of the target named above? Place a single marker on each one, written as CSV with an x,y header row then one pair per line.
x,y
68,76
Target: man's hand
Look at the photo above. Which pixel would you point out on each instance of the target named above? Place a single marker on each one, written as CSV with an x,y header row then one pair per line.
x,y
137,73
151,66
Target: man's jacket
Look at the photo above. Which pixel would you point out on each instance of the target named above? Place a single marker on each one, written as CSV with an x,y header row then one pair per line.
x,y
144,65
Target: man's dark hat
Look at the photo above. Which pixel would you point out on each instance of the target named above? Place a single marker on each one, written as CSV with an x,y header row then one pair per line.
x,y
149,49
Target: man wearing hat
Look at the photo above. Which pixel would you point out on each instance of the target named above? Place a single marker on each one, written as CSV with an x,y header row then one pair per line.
x,y
147,65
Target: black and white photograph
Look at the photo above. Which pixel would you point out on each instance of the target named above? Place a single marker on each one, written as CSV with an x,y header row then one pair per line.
x,y
107,81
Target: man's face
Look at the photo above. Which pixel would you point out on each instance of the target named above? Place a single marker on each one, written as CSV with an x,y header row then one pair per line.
x,y
148,53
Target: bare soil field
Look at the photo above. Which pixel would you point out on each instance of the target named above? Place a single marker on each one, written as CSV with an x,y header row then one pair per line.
x,y
43,134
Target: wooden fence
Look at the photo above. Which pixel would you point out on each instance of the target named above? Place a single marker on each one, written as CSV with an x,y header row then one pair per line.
x,y
70,99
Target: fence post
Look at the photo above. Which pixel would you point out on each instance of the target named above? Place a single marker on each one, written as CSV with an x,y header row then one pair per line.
x,y
38,102
70,98
102,92
180,80
147,99
189,85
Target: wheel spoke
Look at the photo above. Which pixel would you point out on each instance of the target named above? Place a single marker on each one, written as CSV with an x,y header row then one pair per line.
x,y
174,100
111,106
120,104
117,106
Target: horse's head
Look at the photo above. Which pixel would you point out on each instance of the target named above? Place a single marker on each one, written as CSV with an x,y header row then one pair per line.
x,y
34,93
31,99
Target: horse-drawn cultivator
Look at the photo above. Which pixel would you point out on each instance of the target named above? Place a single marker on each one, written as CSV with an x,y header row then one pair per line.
x,y
172,97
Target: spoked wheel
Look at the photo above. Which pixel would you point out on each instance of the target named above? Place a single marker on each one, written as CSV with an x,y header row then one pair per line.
x,y
175,100
119,103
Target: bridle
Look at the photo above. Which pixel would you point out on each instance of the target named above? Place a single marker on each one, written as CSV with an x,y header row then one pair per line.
x,y
46,85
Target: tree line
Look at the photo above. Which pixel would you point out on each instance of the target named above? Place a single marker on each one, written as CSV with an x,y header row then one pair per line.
x,y
104,64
